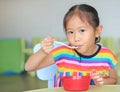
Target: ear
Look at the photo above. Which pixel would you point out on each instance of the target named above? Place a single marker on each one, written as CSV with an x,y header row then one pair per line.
x,y
98,30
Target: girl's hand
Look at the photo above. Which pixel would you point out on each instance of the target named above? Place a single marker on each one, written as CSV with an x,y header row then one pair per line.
x,y
47,44
98,79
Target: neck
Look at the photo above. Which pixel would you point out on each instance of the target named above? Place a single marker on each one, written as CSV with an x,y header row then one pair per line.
x,y
90,51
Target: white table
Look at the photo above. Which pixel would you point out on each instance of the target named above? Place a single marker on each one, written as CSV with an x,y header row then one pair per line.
x,y
103,88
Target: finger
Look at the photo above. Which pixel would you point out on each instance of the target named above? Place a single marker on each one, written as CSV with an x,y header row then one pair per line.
x,y
101,82
94,71
49,47
96,77
47,51
49,38
46,43
100,79
94,74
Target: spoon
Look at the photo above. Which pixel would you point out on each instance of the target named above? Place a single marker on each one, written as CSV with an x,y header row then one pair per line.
x,y
61,43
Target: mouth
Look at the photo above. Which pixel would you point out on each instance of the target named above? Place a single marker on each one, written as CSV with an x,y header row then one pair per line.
x,y
78,46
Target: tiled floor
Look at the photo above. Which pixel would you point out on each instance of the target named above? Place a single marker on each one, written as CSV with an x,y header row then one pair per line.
x,y
19,83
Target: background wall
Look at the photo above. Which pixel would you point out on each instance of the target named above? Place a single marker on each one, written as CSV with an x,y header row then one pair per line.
x,y
30,18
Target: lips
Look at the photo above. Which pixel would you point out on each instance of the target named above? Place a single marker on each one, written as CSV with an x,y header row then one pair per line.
x,y
79,46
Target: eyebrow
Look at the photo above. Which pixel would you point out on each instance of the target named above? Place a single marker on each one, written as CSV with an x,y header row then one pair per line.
x,y
76,28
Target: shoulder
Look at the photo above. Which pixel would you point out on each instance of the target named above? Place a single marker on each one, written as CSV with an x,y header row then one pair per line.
x,y
106,50
108,56
107,53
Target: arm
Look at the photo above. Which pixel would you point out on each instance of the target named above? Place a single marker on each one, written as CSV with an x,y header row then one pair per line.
x,y
98,79
42,58
112,77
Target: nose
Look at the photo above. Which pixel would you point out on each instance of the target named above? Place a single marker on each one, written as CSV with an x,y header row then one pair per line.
x,y
76,37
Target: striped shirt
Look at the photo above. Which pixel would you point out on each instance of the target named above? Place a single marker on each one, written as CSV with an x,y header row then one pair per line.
x,y
70,62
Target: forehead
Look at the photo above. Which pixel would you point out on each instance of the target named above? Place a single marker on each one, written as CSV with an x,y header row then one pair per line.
x,y
84,16
76,21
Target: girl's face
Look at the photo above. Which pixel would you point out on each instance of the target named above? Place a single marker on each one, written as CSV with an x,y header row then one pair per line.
x,y
82,35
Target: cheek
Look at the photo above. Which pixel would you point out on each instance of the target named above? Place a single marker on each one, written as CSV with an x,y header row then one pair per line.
x,y
70,39
89,38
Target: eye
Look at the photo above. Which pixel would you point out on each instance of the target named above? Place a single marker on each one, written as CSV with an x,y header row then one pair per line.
x,y
82,30
70,32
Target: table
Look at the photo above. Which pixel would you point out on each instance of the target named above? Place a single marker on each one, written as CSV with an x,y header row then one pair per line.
x,y
102,88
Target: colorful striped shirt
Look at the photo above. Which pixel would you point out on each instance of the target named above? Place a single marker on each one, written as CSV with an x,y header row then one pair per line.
x,y
70,62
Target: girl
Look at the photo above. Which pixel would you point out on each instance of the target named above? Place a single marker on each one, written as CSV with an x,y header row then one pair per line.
x,y
81,24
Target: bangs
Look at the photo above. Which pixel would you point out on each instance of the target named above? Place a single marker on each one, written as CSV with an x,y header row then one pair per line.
x,y
83,16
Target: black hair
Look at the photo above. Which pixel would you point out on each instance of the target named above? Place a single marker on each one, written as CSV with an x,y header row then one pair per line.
x,y
85,12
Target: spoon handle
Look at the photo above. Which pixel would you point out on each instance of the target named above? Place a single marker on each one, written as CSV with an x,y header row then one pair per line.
x,y
61,43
